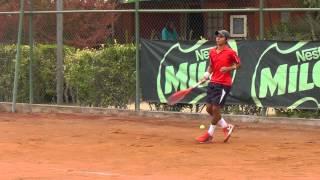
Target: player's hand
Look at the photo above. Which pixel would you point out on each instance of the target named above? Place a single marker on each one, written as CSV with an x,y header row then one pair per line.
x,y
225,69
203,80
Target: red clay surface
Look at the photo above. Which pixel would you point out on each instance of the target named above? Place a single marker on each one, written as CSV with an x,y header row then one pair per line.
x,y
75,146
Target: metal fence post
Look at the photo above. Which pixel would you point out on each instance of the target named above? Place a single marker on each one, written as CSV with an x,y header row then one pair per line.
x,y
261,37
137,34
31,53
59,68
261,19
18,56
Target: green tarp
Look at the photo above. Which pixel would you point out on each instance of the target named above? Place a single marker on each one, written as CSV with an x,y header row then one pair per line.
x,y
277,74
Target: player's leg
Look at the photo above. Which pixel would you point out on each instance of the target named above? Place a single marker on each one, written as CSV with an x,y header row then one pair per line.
x,y
218,120
210,99
207,136
214,111
226,128
216,97
209,109
216,115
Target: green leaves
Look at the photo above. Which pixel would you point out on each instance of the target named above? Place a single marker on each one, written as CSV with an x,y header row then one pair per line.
x,y
103,77
100,78
311,3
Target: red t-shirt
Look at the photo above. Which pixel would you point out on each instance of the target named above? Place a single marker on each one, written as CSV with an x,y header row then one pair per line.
x,y
225,58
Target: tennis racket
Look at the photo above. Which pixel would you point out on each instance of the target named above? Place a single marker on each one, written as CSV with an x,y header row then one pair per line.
x,y
180,95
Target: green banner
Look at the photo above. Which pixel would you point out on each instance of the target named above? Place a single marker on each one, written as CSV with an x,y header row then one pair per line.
x,y
277,74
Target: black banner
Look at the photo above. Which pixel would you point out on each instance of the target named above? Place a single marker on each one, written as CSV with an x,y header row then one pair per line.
x,y
278,74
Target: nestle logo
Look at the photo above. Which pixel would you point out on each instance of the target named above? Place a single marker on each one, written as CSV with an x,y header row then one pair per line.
x,y
202,54
308,54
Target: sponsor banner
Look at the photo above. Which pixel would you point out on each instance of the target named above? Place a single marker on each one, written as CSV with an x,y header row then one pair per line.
x,y
278,74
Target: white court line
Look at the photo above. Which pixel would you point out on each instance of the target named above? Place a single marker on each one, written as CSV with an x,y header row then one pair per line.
x,y
96,173
100,173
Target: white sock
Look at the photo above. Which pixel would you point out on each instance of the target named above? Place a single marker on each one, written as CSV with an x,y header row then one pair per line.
x,y
211,129
222,123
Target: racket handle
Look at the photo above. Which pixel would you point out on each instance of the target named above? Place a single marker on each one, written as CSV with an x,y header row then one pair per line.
x,y
198,83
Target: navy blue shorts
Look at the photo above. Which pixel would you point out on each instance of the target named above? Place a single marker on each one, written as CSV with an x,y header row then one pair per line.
x,y
217,94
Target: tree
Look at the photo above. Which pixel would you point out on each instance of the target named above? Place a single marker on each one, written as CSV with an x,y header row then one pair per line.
x,y
89,29
9,22
80,29
313,18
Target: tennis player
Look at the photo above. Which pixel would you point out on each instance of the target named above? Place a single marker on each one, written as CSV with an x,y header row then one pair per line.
x,y
223,60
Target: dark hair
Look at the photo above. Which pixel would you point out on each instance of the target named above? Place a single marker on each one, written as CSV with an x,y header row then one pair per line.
x,y
168,26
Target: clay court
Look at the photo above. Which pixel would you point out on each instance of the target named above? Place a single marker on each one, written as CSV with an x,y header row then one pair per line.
x,y
77,146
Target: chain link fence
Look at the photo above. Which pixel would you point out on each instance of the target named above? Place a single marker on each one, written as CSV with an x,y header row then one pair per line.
x,y
293,26
7,51
99,46
193,25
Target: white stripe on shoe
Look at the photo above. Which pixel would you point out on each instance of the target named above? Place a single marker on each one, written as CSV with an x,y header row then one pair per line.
x,y
230,130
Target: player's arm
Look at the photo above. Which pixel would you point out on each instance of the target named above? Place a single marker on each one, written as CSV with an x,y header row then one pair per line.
x,y
236,61
231,68
236,64
207,74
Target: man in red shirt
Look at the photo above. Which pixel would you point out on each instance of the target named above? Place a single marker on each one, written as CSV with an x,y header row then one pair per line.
x,y
223,60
